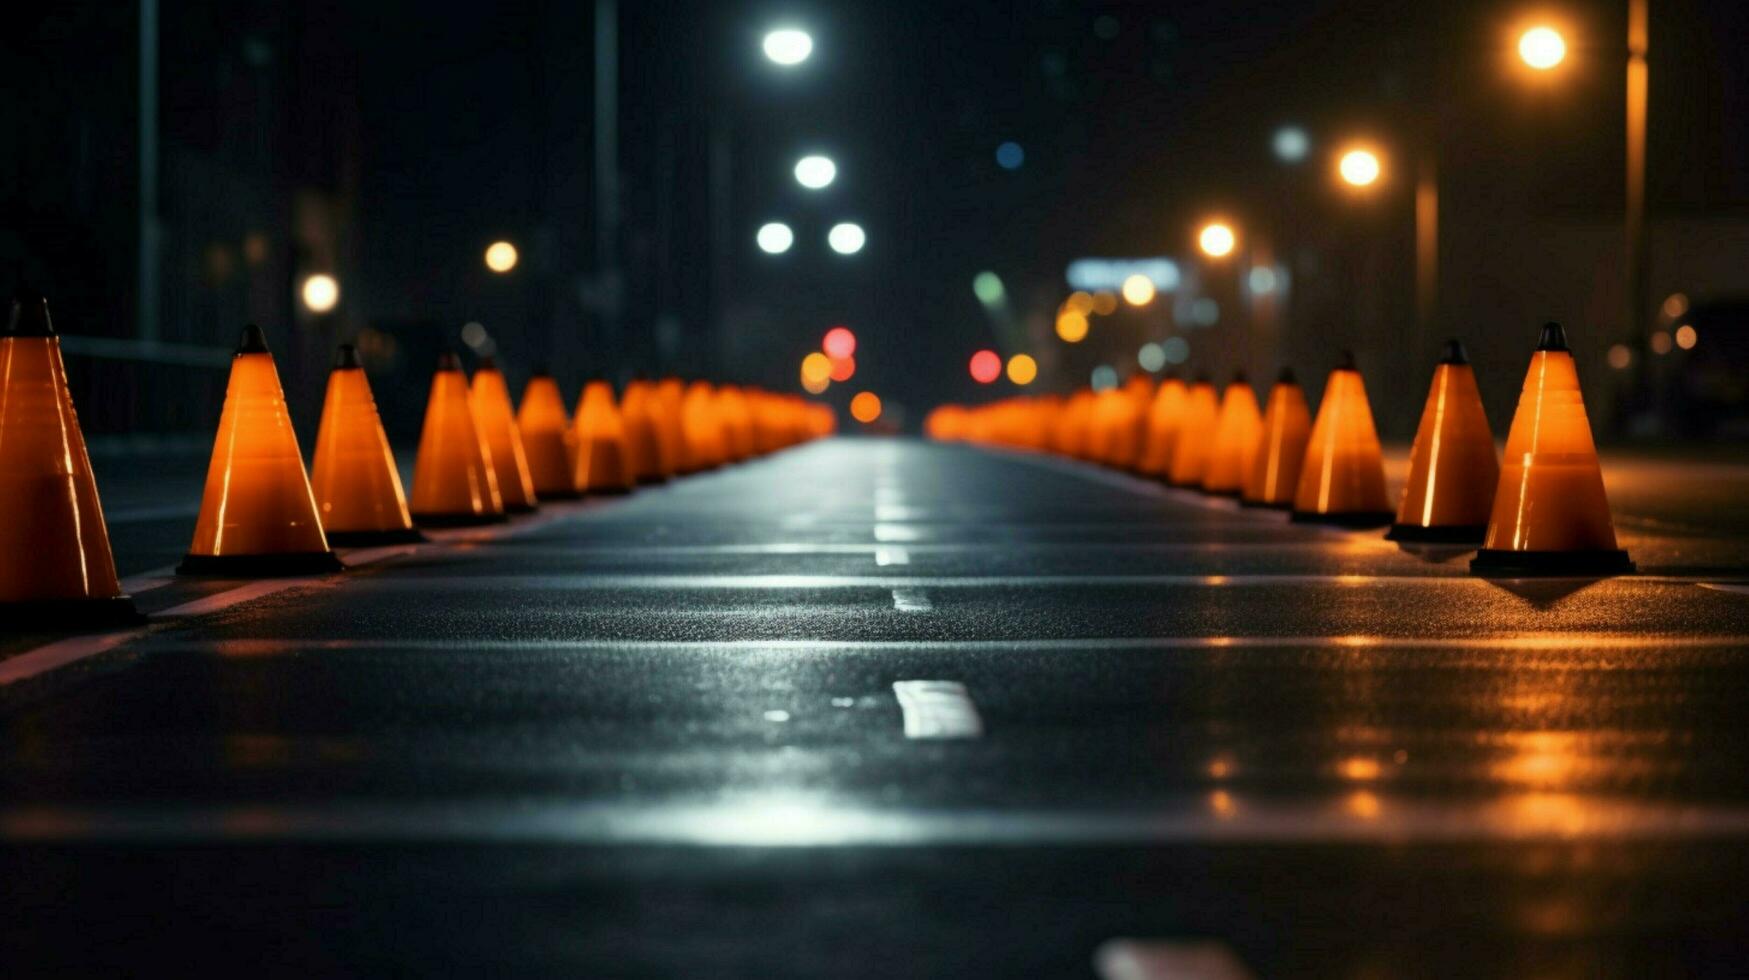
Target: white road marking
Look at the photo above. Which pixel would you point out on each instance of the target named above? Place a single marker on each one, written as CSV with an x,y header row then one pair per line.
x,y
136,584
1163,959
1739,587
896,532
898,512
938,710
891,555
231,597
586,582
366,556
911,600
59,654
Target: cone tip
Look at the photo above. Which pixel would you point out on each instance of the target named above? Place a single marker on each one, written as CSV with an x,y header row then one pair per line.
x,y
1345,361
1454,353
449,361
346,356
1286,377
30,315
1553,338
253,341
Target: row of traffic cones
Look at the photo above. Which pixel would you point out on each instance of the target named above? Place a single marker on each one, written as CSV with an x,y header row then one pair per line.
x,y
1543,513
479,461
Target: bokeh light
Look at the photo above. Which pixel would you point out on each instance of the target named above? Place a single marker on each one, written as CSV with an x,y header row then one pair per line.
x,y
1022,369
814,171
865,407
320,292
1291,144
1010,156
987,286
1079,302
839,342
1176,349
1104,377
501,257
775,238
1542,48
986,366
1138,290
843,368
1687,337
816,367
1660,342
846,238
1104,303
1620,357
1072,326
1359,168
1261,280
1205,312
1675,305
788,46
1152,357
1216,239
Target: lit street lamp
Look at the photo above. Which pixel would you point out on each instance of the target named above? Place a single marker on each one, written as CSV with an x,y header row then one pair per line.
x,y
1542,48
788,47
1359,168
1216,240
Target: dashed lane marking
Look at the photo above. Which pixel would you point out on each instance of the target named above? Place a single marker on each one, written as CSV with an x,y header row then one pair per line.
x,y
911,600
1163,959
937,710
886,555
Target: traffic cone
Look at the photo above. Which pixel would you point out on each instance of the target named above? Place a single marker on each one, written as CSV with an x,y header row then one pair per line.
x,y
603,465
258,516
704,433
1235,439
1551,516
670,415
1342,480
1281,446
358,490
1452,467
1196,433
454,484
650,458
1161,433
546,439
491,397
56,570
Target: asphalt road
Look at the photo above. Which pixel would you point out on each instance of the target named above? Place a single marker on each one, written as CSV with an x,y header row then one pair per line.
x,y
893,709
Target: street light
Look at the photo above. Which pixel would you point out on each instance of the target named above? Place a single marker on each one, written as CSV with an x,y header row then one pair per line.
x,y
1216,240
775,238
1138,290
1542,48
321,293
1359,168
815,172
846,238
501,257
788,47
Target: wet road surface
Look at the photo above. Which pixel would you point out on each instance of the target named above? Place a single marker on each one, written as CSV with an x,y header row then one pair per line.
x,y
886,708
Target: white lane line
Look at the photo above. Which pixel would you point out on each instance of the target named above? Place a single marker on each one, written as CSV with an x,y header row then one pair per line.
x,y
140,515
628,582
231,597
898,512
1168,959
912,600
896,532
886,555
948,548
780,819
59,654
367,556
937,710
136,584
1738,587
1578,645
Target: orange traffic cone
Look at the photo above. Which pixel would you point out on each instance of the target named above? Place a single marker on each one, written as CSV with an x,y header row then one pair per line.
x,y
454,484
1342,480
258,515
1235,439
703,428
602,463
1196,434
546,439
358,491
1281,446
1551,516
651,457
670,415
1452,467
491,398
56,569
1161,434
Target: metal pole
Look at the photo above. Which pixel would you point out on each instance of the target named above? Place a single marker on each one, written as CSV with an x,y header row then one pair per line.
x,y
146,313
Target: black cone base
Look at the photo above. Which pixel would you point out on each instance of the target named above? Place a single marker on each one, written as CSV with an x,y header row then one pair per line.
x,y
1350,518
459,520
545,495
1233,494
371,539
1265,505
63,615
1439,533
610,491
522,509
261,566
1495,563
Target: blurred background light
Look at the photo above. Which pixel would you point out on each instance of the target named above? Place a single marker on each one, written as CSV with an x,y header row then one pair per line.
x,y
1152,357
1072,326
501,257
1104,377
839,342
1359,168
1620,357
815,386
1079,302
1216,239
1010,156
1542,48
986,366
1291,144
1205,312
473,334
1261,280
987,286
1660,342
843,368
1686,337
320,292
816,367
1674,305
775,238
1176,349
1138,290
1108,274
788,46
815,171
865,407
1022,369
1104,303
846,238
